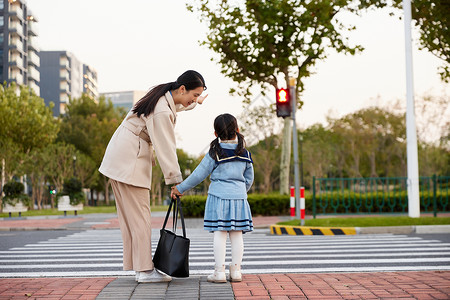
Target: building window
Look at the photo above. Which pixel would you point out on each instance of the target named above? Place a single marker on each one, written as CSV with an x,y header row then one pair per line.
x,y
1,20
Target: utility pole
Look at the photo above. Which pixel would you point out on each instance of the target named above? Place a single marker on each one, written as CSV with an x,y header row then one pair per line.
x,y
293,96
411,133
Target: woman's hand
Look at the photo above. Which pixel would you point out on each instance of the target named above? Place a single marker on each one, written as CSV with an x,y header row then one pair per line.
x,y
174,192
200,99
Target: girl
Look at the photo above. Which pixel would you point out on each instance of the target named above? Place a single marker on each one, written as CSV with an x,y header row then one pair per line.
x,y
227,209
129,159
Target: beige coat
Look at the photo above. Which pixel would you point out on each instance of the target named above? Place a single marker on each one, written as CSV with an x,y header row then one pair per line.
x,y
129,158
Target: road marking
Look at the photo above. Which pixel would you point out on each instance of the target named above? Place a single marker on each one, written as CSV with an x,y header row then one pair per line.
x,y
99,253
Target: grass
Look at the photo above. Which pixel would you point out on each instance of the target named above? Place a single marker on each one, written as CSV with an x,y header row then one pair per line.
x,y
86,210
370,221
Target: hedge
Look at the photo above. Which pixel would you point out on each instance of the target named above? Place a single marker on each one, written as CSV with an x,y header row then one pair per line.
x,y
276,204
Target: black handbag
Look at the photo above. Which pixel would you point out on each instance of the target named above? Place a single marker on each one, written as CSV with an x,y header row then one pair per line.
x,y
172,253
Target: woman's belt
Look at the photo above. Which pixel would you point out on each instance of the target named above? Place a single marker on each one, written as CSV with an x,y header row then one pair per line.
x,y
138,130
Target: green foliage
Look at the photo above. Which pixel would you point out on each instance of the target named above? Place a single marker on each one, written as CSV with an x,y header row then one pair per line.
x,y
266,205
13,189
73,189
25,124
25,120
193,206
14,193
432,18
257,41
88,125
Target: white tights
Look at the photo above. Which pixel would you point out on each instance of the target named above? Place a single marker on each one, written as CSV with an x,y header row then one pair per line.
x,y
220,247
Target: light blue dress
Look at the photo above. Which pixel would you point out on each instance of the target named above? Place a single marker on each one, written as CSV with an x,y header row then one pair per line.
x,y
226,207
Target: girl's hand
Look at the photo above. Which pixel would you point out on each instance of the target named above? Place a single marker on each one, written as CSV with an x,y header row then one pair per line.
x,y
200,99
174,192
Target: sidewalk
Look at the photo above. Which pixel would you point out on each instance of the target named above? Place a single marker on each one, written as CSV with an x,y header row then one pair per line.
x,y
390,285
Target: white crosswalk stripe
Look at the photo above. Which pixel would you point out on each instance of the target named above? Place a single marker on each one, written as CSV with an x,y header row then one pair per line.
x,y
99,253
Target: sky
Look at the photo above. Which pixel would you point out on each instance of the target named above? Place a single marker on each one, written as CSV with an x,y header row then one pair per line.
x,y
136,44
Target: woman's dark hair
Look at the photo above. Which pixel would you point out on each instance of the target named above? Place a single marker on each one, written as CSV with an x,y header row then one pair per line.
x,y
226,128
190,79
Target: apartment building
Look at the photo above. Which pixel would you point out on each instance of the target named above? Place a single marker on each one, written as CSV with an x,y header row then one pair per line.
x,y
64,77
19,59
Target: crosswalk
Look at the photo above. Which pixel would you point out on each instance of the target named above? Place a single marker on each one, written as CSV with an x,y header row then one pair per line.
x,y
99,253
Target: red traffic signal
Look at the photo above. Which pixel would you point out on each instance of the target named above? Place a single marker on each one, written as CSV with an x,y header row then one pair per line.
x,y
283,101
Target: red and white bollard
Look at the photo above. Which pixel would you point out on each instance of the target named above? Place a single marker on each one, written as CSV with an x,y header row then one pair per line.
x,y
292,201
302,205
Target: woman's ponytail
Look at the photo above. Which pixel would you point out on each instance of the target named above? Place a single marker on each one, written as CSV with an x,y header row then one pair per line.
x,y
146,105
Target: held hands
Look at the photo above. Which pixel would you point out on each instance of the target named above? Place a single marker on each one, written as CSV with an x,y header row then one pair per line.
x,y
200,99
174,192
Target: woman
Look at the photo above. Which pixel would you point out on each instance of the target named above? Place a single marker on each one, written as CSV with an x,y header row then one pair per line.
x,y
129,159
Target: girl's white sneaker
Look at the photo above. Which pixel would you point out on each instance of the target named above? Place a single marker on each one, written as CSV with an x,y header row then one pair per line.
x,y
235,273
153,276
137,275
218,276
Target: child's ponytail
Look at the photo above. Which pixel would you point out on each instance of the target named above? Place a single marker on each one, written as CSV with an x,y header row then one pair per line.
x,y
241,144
215,149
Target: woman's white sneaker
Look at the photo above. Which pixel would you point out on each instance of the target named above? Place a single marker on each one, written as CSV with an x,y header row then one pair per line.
x,y
137,275
153,276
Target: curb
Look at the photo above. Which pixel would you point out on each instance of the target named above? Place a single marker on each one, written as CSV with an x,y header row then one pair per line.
x,y
306,230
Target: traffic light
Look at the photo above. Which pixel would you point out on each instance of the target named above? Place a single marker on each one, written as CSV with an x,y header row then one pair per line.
x,y
284,106
52,190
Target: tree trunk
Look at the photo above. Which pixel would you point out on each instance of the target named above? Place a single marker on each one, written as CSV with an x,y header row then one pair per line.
x,y
159,194
285,157
106,184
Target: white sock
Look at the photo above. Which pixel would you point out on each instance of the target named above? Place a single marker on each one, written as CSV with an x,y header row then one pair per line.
x,y
237,247
220,247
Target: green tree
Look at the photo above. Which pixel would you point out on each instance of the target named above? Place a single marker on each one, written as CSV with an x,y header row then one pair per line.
x,y
318,152
25,124
432,19
261,129
59,164
88,125
25,120
264,43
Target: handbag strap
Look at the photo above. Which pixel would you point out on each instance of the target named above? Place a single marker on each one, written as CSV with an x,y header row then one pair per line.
x,y
180,208
176,208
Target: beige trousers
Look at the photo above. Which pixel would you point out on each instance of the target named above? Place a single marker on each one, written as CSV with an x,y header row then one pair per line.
x,y
133,211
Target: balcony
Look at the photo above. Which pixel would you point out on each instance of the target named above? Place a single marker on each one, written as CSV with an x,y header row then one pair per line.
x,y
34,74
15,28
16,45
64,63
16,75
33,85
16,62
15,12
33,59
32,30
32,46
64,88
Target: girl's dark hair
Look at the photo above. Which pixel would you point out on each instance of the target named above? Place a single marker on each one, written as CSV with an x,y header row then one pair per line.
x,y
146,105
226,128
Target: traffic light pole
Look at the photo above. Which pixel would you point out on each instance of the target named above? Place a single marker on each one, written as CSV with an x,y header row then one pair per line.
x,y
294,129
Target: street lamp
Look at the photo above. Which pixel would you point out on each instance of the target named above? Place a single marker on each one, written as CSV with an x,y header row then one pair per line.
x,y
74,161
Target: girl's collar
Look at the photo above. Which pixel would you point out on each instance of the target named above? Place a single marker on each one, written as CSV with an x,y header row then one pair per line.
x,y
235,141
